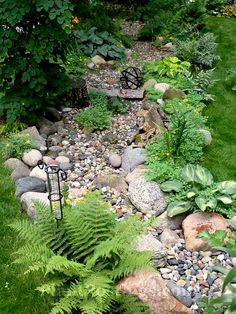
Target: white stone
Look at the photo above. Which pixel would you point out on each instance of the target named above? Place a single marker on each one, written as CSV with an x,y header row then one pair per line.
x,y
162,87
28,199
38,173
62,159
98,60
32,157
115,160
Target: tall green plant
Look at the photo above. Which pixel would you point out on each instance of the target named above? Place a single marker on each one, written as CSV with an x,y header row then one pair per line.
x,y
83,257
33,36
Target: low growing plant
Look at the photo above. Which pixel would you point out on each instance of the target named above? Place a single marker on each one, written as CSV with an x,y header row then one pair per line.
x,y
14,145
196,190
82,257
171,67
93,43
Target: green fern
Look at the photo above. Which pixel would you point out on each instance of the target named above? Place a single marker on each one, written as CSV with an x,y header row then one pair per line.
x,y
83,257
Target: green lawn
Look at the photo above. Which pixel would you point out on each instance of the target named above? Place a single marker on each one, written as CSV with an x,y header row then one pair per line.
x,y
220,157
17,291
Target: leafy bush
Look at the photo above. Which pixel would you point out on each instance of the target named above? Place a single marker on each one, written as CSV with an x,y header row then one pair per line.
x,y
201,52
76,61
93,43
197,190
170,66
33,35
15,145
228,11
83,256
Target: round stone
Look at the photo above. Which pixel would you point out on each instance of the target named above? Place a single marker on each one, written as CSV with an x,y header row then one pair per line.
x,y
115,160
32,157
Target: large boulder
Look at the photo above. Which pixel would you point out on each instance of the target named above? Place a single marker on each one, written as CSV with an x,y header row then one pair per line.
x,y
13,163
165,222
20,172
113,181
29,184
198,222
37,140
46,127
147,242
28,201
132,158
32,157
150,288
173,93
146,196
136,174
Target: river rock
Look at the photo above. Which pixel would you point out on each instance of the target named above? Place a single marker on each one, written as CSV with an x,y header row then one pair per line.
x,y
113,181
169,237
136,174
98,60
46,127
29,184
146,196
115,160
62,159
181,294
32,157
149,84
53,114
13,163
199,222
27,201
132,158
148,242
38,173
165,222
162,87
150,288
20,172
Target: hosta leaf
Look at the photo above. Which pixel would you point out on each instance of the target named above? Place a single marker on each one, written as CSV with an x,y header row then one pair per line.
x,y
177,207
188,173
227,187
225,199
172,185
202,203
203,176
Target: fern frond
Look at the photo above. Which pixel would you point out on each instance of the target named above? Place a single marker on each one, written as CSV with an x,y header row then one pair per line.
x,y
61,264
51,287
131,263
129,304
27,231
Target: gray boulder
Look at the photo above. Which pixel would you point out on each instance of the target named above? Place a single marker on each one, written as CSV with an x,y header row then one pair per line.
x,y
132,158
28,201
29,184
20,172
146,196
148,242
13,163
37,140
181,294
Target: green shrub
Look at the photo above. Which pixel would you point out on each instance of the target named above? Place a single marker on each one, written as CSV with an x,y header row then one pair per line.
x,y
15,145
33,36
93,43
200,52
228,11
82,257
196,190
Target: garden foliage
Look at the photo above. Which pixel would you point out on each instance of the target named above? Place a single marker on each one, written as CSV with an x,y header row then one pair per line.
x,y
83,257
33,36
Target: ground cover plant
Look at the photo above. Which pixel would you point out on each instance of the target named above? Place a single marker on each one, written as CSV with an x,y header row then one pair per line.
x,y
16,293
83,256
220,157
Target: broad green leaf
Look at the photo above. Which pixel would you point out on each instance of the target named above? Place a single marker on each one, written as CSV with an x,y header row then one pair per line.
x,y
172,185
225,199
230,276
202,203
203,176
227,187
188,173
177,207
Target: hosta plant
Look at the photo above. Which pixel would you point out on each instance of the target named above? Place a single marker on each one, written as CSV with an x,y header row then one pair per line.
x,y
197,191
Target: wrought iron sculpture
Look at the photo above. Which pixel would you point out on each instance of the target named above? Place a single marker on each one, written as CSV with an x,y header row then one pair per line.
x,y
54,177
131,78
